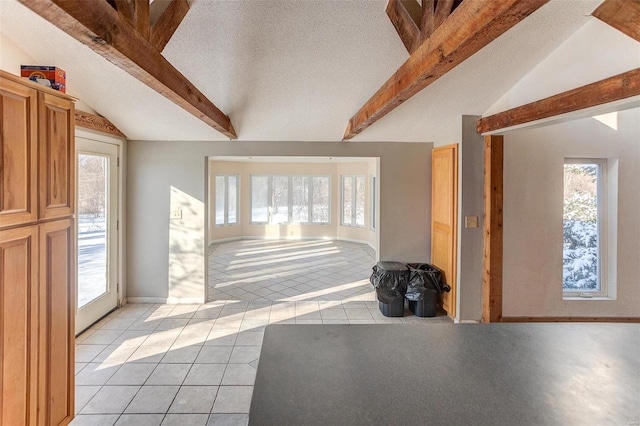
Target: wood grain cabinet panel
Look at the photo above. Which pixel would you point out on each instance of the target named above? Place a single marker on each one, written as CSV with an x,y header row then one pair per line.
x,y
18,325
57,164
18,154
37,254
57,302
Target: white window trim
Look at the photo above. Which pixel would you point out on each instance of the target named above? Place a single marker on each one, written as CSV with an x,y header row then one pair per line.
x,y
290,200
607,231
354,204
226,200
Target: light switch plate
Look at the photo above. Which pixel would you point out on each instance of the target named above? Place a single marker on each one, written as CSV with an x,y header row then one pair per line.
x,y
471,221
176,214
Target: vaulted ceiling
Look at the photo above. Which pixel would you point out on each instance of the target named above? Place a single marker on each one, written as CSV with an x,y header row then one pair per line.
x,y
291,70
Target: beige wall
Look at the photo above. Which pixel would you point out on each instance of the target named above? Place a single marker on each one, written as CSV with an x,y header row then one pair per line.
x,y
533,206
164,174
333,230
470,203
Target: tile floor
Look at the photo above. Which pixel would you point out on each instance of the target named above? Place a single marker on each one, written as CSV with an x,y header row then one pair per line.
x,y
268,270
191,365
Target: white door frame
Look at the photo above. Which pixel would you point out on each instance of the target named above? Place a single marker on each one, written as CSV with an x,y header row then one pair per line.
x,y
118,269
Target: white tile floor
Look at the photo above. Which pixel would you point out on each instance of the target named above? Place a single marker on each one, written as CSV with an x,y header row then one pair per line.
x,y
196,364
268,270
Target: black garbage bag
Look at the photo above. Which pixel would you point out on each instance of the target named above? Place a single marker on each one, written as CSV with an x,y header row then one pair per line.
x,y
424,277
390,280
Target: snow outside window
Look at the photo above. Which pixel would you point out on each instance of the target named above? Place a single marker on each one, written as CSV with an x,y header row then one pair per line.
x,y
226,200
584,263
373,202
353,200
290,199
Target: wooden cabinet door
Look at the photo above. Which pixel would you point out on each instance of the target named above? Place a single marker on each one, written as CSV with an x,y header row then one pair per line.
x,y
57,313
18,325
18,154
57,156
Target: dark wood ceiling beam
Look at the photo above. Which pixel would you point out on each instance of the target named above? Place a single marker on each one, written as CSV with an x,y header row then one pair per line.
x,y
414,9
623,15
616,88
136,12
471,26
442,12
426,24
97,25
168,23
96,123
404,24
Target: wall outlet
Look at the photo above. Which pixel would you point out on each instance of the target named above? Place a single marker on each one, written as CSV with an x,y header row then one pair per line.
x,y
176,214
471,221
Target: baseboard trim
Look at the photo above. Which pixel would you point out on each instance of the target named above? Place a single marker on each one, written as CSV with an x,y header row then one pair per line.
x,y
224,240
166,300
288,238
571,319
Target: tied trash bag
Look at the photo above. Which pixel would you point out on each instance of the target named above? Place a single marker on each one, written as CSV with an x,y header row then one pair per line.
x,y
424,277
390,280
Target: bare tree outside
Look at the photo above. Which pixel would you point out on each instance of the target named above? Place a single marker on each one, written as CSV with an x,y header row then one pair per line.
x,y
92,191
92,227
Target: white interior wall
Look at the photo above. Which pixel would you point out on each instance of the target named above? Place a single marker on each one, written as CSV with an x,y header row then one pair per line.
x,y
594,52
12,56
167,257
533,206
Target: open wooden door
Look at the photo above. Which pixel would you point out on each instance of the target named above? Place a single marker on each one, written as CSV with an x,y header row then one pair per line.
x,y
444,219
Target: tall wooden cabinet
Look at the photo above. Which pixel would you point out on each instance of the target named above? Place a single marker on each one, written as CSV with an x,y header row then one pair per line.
x,y
37,254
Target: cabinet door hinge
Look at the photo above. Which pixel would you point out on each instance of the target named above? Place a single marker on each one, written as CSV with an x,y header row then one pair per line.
x,y
118,161
117,225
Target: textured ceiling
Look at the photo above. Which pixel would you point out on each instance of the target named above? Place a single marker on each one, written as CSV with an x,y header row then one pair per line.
x,y
294,70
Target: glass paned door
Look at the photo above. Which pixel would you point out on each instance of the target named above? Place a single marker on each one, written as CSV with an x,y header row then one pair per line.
x,y
96,218
92,227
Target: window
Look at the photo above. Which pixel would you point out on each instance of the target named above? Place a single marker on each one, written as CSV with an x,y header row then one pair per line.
x,y
353,198
290,199
226,200
584,228
373,202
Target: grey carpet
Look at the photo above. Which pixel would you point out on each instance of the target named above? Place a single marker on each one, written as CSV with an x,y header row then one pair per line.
x,y
445,374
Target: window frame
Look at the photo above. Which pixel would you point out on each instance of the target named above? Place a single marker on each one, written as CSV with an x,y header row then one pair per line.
x,y
270,194
226,200
602,229
354,194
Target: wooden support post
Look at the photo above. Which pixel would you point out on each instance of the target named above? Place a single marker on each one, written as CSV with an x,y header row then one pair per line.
x,y
492,261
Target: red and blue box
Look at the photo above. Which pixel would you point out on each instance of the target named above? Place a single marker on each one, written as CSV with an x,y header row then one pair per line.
x,y
56,76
